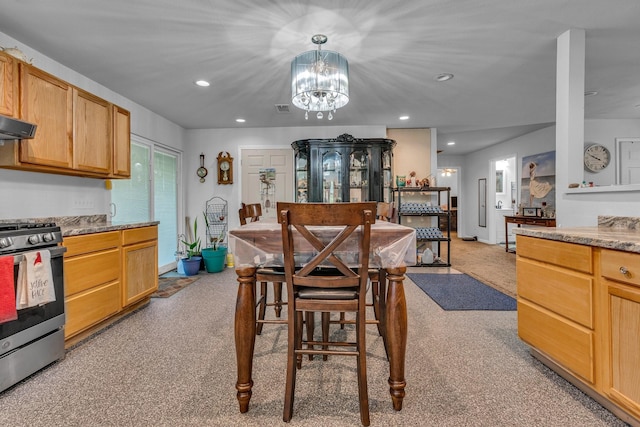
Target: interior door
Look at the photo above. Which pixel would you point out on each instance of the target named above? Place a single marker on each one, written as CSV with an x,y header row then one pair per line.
x,y
629,157
267,177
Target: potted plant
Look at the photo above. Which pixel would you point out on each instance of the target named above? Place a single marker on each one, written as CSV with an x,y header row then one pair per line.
x,y
215,255
191,264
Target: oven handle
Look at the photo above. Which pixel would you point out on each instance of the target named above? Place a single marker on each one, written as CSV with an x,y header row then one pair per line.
x,y
56,251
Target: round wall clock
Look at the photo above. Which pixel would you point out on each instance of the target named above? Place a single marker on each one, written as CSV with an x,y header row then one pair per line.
x,y
225,168
202,171
596,157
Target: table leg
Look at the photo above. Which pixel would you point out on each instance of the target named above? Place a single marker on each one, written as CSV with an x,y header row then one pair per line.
x,y
396,334
245,333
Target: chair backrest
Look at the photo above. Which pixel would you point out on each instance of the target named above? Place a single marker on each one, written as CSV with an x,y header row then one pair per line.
x,y
341,250
252,212
384,211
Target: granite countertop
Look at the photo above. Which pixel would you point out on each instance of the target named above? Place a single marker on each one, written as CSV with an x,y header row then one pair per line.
x,y
85,224
619,233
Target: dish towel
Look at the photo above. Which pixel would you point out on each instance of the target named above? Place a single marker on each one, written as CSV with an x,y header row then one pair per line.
x,y
35,281
7,291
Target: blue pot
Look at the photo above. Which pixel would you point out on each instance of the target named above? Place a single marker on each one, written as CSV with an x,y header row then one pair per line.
x,y
191,265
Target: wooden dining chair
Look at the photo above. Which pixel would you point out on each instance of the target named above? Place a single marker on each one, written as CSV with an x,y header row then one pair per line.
x,y
264,275
333,278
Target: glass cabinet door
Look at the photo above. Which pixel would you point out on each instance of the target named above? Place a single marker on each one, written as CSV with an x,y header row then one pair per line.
x,y
387,176
331,177
359,176
302,177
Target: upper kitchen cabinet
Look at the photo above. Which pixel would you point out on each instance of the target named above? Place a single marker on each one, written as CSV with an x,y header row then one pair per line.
x,y
77,132
121,142
8,85
92,137
344,169
47,102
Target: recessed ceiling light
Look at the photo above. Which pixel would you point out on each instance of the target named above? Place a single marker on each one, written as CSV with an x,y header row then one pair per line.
x,y
591,93
403,118
444,77
240,120
202,83
451,143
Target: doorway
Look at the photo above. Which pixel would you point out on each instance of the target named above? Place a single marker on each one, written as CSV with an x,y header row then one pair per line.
x,y
504,198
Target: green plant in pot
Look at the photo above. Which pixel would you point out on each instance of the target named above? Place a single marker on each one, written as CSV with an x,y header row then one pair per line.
x,y
215,255
191,264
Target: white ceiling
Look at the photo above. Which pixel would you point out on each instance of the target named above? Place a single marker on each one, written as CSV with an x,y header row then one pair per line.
x,y
502,52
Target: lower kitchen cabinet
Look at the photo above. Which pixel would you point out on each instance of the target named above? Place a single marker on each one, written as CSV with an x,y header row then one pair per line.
x,y
621,283
579,310
139,263
106,275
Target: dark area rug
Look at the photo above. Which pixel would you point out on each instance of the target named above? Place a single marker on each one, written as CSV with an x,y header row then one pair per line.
x,y
168,286
461,292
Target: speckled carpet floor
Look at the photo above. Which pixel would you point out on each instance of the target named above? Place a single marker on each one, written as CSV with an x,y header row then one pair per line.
x,y
172,364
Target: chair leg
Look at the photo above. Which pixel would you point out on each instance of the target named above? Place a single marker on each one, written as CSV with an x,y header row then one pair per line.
x,y
277,298
326,318
294,338
262,306
363,392
342,320
311,324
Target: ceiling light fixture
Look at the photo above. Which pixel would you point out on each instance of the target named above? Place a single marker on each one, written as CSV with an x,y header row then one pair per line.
x,y
403,118
451,143
202,83
319,80
240,120
444,77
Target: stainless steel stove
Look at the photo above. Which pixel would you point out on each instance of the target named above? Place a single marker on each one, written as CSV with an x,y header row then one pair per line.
x,y
36,338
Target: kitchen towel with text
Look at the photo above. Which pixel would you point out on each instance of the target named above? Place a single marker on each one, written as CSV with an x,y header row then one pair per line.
x,y
35,281
7,291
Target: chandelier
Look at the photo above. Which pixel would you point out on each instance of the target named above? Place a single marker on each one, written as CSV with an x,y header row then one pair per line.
x,y
319,80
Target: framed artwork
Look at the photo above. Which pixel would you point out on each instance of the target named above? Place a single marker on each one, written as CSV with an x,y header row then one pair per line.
x,y
500,182
538,185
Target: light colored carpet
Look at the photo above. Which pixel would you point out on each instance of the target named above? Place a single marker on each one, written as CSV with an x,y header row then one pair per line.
x,y
173,364
490,264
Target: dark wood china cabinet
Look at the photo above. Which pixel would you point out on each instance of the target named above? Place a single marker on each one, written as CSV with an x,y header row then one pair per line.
x,y
344,169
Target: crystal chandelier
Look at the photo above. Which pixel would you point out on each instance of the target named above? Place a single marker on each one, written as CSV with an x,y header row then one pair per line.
x,y
319,80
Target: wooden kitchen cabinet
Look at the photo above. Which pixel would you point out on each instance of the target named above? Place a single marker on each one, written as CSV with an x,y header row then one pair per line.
x,y
121,142
77,132
47,102
8,85
139,263
556,302
92,280
92,133
621,333
107,275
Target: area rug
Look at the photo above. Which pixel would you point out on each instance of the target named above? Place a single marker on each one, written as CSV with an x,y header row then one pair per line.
x,y
461,292
168,286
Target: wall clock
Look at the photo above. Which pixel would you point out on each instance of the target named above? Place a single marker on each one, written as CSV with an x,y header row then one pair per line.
x,y
202,171
225,168
596,157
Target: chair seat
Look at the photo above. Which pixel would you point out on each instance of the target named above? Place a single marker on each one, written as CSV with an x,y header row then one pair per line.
x,y
271,270
328,293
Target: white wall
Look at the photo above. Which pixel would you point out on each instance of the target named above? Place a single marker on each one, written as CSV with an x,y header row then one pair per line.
x,y
580,209
212,141
32,194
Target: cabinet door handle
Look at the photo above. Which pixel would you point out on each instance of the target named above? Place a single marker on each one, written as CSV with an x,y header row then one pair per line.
x,y
624,271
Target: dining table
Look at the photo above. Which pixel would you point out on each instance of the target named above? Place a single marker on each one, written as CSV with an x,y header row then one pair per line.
x,y
392,249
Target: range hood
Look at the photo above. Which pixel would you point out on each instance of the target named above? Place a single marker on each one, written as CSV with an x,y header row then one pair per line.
x,y
11,128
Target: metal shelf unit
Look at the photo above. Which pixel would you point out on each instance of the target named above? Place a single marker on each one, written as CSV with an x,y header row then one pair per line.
x,y
217,218
418,207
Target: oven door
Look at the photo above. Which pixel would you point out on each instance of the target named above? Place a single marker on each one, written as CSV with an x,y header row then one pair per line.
x,y
33,322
